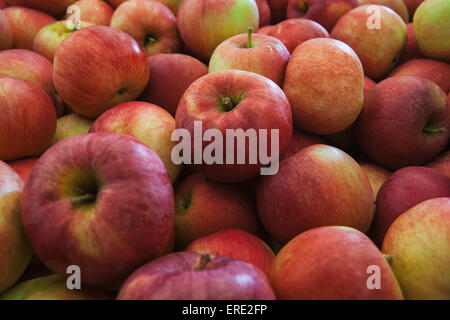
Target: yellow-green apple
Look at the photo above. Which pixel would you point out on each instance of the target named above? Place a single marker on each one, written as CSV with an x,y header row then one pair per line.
x,y
301,140
15,251
236,244
97,68
412,6
418,243
150,23
257,53
97,12
405,121
193,276
204,207
25,23
434,70
6,33
441,163
325,12
173,5
293,32
28,120
108,206
396,5
278,10
204,24
432,29
23,167
265,29
324,84
404,189
332,263
148,123
52,287
56,8
172,73
234,103
412,50
318,186
378,38
377,176
264,12
71,125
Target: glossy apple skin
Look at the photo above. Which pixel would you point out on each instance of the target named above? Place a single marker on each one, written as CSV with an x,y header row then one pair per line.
x,y
204,24
133,210
56,8
204,207
268,56
97,68
377,176
264,106
325,12
397,5
330,263
146,122
97,12
397,112
6,33
301,140
378,49
23,167
406,188
28,119
71,125
172,73
265,29
264,12
419,238
441,164
318,186
140,18
412,50
173,277
324,84
236,244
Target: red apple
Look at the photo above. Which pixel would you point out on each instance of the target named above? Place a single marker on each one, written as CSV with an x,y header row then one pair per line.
x,y
6,33
97,68
377,176
108,206
56,8
258,53
97,12
71,125
412,6
116,3
318,186
405,121
2,4
331,263
173,5
23,167
301,140
192,276
441,163
264,12
278,10
397,5
265,29
150,23
412,50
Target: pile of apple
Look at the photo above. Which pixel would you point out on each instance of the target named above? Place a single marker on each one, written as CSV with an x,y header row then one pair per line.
x,y
92,92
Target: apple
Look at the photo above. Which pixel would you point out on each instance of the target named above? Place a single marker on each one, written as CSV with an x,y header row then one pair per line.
x,y
56,8
146,122
2,4
150,23
232,100
15,252
264,12
278,10
412,50
172,73
25,23
331,263
419,238
432,29
293,32
237,244
396,5
173,5
318,186
97,12
441,163
406,188
99,67
6,33
193,276
71,125
301,140
265,29
325,12
405,121
23,167
412,6
324,84
258,53
204,24
377,176
116,3
108,206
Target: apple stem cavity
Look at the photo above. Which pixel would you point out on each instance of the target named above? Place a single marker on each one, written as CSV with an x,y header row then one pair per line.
x,y
433,130
249,37
202,262
86,198
227,103
388,257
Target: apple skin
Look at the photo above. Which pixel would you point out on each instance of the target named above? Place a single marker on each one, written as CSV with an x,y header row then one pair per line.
x,y
116,3
264,12
330,263
97,12
397,5
436,71
71,125
142,19
190,276
431,26
204,24
267,56
97,68
15,251
25,24
301,140
412,6
419,238
324,84
377,176
318,186
264,106
172,73
405,188
441,164
265,29
405,121
133,208
325,12
56,8
173,5
278,10
293,32
146,122
412,50
204,207
23,167
236,244
6,33
378,49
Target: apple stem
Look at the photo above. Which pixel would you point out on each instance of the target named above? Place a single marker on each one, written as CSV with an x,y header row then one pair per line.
x,y
82,199
433,130
388,257
227,103
249,37
202,262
